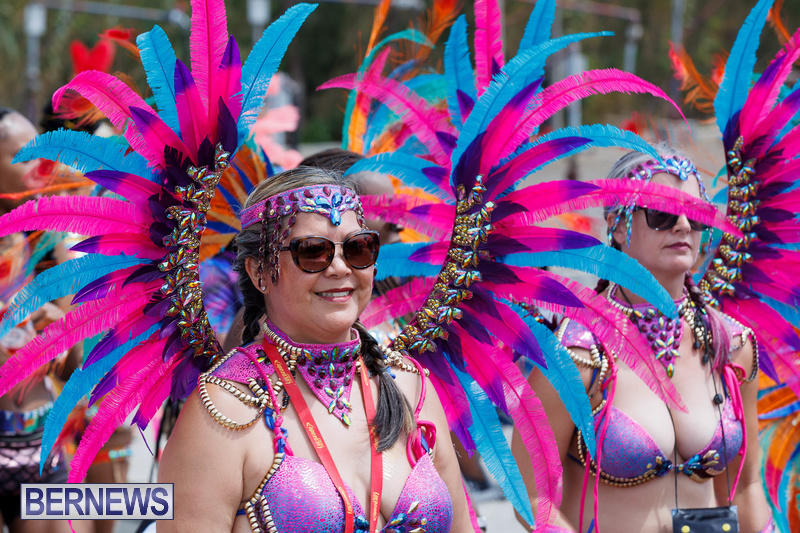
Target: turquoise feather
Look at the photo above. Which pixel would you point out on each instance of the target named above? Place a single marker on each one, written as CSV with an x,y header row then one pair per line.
x,y
404,167
493,446
563,375
158,60
735,84
458,69
539,26
83,152
79,385
393,261
264,60
62,280
607,263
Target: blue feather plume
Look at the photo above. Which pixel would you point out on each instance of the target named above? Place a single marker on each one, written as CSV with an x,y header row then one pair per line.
x,y
62,280
563,375
79,385
393,261
506,84
539,25
158,60
264,60
408,169
458,69
607,263
735,84
83,152
493,446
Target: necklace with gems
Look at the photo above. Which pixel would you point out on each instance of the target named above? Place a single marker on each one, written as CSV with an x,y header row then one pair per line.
x,y
327,369
663,333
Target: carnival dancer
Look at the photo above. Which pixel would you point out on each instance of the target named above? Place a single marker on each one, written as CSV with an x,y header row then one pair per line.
x,y
486,246
302,300
654,458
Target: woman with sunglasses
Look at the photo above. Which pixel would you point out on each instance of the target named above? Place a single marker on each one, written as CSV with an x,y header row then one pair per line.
x,y
345,436
653,458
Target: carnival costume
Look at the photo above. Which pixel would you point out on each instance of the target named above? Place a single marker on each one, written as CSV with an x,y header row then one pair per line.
x,y
138,282
752,279
468,326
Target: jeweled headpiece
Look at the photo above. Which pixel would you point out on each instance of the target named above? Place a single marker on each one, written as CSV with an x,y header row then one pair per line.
x,y
327,200
675,165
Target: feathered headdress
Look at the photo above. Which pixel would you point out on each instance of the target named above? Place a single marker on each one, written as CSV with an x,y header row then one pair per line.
x,y
138,282
487,248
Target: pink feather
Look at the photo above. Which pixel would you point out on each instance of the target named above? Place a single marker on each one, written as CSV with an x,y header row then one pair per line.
x,y
158,388
192,114
564,92
425,120
133,362
761,98
228,87
112,413
456,409
79,214
621,337
112,283
153,136
488,42
398,209
111,96
397,302
539,239
80,323
664,198
207,43
360,115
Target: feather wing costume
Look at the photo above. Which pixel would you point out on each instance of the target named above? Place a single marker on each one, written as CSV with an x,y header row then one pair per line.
x,y
487,247
139,284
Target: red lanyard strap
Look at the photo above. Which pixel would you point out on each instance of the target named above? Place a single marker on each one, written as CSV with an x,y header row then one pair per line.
x,y
315,436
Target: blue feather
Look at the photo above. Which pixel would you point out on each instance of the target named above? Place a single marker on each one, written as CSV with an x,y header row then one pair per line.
x,y
607,263
493,446
48,241
83,152
408,169
458,69
506,84
264,60
563,375
62,280
539,25
158,60
394,261
735,84
79,385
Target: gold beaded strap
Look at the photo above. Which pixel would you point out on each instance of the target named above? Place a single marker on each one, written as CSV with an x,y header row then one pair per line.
x,y
396,359
599,358
259,501
261,401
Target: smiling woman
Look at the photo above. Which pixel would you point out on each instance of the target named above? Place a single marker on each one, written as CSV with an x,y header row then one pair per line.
x,y
306,264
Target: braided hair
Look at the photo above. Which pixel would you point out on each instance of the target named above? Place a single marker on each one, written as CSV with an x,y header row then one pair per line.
x,y
394,414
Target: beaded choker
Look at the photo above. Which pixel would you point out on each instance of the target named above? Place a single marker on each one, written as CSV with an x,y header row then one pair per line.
x,y
663,333
328,369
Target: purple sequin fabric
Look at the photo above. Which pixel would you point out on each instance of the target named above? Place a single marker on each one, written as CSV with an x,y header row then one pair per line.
x,y
303,499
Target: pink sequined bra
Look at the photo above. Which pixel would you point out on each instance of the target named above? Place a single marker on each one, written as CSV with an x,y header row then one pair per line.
x,y
629,454
297,495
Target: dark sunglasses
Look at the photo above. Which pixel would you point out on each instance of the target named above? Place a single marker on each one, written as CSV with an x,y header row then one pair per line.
x,y
661,221
315,254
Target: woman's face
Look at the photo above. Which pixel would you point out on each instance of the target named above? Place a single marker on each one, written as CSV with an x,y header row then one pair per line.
x,y
321,307
667,253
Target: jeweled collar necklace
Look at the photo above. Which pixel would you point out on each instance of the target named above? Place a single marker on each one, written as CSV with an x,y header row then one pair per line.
x,y
663,333
328,369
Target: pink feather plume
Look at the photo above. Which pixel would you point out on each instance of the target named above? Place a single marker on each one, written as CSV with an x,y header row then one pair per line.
x,y
488,42
397,302
207,43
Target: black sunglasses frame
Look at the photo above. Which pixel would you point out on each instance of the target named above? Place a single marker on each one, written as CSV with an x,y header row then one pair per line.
x,y
670,221
294,247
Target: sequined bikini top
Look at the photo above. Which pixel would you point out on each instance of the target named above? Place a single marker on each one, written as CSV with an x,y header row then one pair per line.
x,y
298,496
629,454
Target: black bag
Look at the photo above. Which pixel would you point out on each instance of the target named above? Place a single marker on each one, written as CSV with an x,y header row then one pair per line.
x,y
706,520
